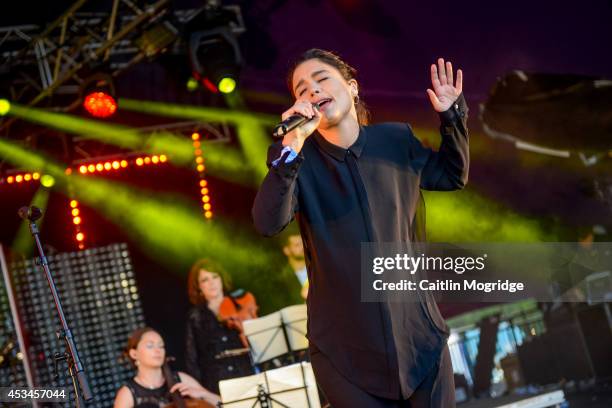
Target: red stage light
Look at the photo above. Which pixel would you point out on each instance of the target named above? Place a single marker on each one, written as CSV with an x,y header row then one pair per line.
x,y
10,179
107,166
91,168
76,220
99,167
147,160
80,236
27,177
163,158
74,203
19,178
124,163
75,212
195,136
208,214
36,176
116,165
100,104
155,159
139,161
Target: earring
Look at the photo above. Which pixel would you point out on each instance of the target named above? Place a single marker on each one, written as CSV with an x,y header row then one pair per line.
x,y
356,99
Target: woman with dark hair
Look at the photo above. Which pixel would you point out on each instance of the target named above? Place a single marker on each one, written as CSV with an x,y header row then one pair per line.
x,y
215,346
348,182
148,389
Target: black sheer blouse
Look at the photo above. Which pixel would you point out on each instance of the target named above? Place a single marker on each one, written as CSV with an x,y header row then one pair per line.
x,y
207,337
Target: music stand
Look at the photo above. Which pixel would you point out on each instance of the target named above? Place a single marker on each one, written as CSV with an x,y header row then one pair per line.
x,y
277,334
293,386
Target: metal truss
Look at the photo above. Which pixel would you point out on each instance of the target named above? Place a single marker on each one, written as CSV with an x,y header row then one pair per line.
x,y
78,43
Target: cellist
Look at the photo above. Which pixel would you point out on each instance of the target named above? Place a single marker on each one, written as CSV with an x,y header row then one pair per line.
x,y
150,388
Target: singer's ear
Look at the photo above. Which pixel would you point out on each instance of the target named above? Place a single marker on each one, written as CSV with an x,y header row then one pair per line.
x,y
354,87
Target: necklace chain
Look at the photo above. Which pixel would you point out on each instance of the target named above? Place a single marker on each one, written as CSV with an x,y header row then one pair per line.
x,y
144,383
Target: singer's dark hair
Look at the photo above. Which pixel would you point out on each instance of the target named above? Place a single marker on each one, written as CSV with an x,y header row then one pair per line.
x,y
347,72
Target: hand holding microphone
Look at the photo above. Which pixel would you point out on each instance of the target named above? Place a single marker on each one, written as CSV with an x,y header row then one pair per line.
x,y
298,122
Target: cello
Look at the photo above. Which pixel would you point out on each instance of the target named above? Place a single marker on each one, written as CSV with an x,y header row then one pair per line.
x,y
178,401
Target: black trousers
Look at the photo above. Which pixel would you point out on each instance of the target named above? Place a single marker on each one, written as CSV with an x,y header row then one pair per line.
x,y
436,391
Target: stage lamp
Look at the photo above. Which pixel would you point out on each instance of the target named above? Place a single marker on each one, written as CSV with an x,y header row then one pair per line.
x,y
5,107
216,58
227,85
98,93
192,84
47,181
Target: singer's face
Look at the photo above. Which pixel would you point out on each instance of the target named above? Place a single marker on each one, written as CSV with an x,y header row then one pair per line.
x,y
317,82
150,351
210,284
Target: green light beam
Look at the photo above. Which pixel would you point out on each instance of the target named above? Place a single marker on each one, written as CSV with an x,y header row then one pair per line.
x,y
207,114
168,227
178,149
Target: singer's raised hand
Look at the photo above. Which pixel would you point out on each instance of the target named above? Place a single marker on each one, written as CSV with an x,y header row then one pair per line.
x,y
445,89
296,137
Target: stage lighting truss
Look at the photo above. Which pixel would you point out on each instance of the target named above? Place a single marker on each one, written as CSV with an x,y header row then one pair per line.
x,y
56,60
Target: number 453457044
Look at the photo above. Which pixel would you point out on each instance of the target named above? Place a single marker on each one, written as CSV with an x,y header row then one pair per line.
x,y
16,394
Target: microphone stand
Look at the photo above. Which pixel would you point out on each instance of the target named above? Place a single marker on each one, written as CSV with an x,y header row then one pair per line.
x,y
71,355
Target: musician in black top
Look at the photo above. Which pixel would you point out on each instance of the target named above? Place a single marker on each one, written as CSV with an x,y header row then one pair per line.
x,y
148,388
215,347
347,182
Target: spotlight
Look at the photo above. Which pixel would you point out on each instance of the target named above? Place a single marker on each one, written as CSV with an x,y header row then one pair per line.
x,y
192,84
227,85
47,181
5,107
215,54
99,96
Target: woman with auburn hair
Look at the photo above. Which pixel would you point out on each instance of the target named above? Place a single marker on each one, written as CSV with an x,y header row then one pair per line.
x,y
348,182
215,347
148,388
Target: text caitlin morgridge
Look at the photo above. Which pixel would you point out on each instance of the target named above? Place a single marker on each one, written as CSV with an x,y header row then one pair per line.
x,y
458,265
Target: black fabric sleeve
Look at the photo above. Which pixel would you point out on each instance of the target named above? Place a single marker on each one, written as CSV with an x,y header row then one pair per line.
x,y
276,201
447,169
192,363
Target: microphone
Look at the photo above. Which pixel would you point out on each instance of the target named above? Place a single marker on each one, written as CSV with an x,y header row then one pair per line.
x,y
291,123
30,213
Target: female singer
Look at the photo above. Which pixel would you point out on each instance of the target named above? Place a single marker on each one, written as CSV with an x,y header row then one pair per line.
x,y
149,388
348,183
216,349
